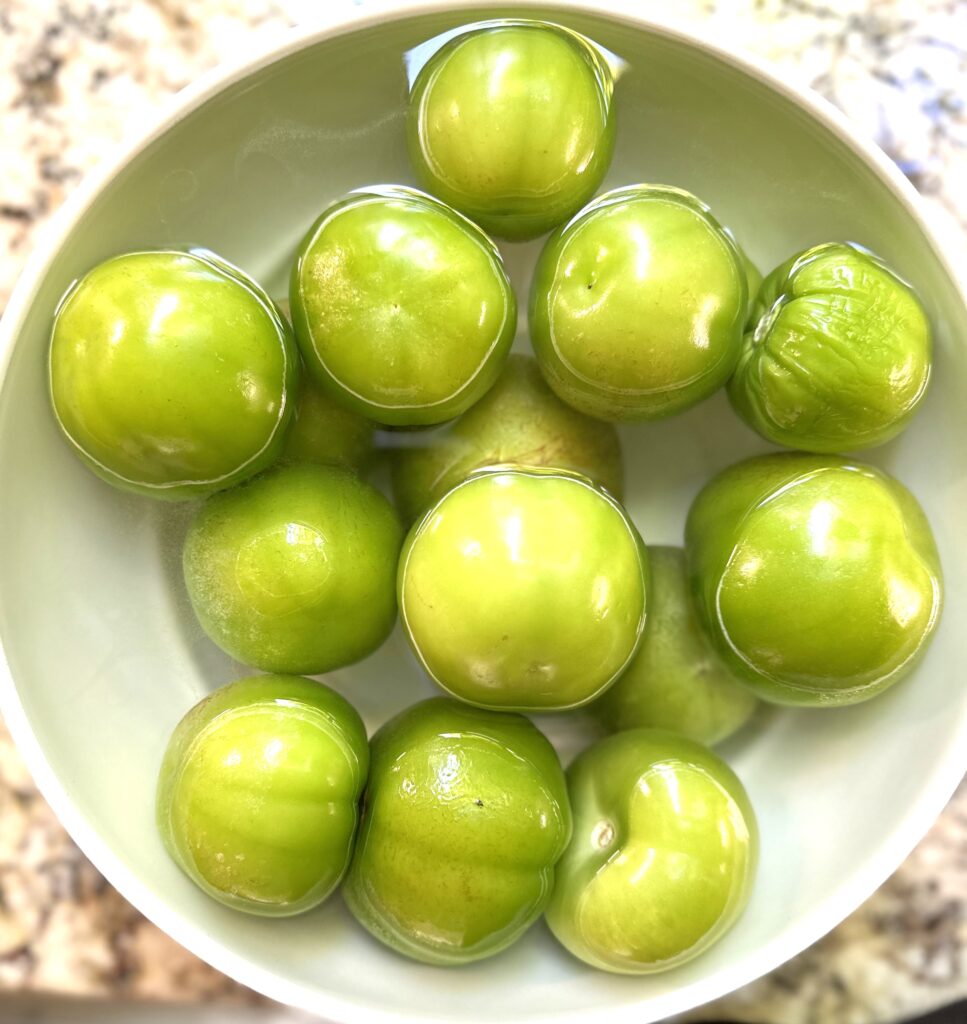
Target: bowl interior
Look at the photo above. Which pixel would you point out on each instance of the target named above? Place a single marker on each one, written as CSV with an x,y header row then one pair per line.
x,y
103,650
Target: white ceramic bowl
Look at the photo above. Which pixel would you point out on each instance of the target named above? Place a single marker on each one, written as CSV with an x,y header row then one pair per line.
x,y
102,653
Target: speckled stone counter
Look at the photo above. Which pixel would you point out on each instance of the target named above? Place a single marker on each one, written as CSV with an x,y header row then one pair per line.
x,y
76,76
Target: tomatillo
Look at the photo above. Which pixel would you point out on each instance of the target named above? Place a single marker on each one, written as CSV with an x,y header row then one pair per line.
x,y
520,420
663,856
677,680
817,577
838,353
512,122
171,373
638,304
465,816
524,589
401,306
295,571
326,432
258,794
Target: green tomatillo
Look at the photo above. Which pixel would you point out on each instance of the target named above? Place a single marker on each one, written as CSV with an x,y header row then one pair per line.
x,y
465,816
295,571
520,420
817,578
401,306
326,432
512,122
838,353
677,680
524,589
171,373
258,793
638,304
663,855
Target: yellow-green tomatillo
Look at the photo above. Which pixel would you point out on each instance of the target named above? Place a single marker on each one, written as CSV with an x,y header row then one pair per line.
x,y
817,578
172,373
512,122
295,571
663,855
838,353
520,420
677,680
465,816
401,306
638,304
524,589
258,793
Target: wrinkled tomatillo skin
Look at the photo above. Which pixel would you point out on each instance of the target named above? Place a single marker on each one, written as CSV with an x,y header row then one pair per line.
x,y
838,353
172,373
817,577
663,855
677,680
466,814
258,793
512,122
295,571
524,589
638,304
401,306
519,421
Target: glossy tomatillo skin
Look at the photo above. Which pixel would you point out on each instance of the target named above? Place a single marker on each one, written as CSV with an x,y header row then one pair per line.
x,y
838,353
466,814
524,589
663,854
258,794
519,421
328,433
171,373
295,571
817,578
401,306
638,304
677,680
512,123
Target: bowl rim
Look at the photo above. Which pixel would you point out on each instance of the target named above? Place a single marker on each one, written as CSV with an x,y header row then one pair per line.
x,y
949,767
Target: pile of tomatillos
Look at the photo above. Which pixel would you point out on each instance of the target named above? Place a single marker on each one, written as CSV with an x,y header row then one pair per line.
x,y
520,580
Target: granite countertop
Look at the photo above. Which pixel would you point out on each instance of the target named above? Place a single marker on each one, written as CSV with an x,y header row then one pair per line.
x,y
79,75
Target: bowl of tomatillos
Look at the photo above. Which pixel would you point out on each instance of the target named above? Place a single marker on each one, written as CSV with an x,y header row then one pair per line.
x,y
546,528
